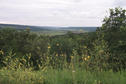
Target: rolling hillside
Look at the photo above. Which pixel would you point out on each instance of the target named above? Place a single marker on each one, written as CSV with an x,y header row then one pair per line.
x,y
49,30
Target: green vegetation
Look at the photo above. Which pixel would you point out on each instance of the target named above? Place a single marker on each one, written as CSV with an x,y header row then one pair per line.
x,y
49,30
61,76
81,58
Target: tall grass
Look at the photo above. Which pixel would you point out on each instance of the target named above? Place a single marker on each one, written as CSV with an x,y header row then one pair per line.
x,y
65,76
60,72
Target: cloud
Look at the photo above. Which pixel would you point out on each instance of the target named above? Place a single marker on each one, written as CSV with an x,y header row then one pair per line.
x,y
121,3
55,12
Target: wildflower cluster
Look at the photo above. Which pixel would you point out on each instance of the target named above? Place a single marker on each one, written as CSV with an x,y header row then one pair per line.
x,y
86,58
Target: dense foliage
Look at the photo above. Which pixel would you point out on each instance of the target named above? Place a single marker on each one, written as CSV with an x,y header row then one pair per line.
x,y
104,49
114,30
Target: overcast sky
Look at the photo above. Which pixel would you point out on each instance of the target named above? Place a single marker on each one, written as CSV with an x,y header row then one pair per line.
x,y
57,12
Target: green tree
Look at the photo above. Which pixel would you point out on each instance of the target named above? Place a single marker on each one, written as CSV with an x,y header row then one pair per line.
x,y
100,53
114,29
115,21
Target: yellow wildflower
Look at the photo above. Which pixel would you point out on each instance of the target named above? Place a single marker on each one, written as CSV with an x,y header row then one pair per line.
x,y
57,44
49,47
88,57
85,58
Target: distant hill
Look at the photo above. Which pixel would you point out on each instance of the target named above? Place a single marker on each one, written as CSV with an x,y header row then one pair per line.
x,y
38,28
49,29
33,28
87,29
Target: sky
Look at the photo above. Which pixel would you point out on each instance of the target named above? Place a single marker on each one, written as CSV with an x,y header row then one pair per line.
x,y
57,12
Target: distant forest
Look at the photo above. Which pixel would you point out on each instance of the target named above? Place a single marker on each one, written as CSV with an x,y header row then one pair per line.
x,y
48,28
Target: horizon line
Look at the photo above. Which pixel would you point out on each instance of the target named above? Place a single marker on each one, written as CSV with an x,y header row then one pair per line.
x,y
43,25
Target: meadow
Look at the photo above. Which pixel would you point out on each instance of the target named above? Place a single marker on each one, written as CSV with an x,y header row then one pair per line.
x,y
97,57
